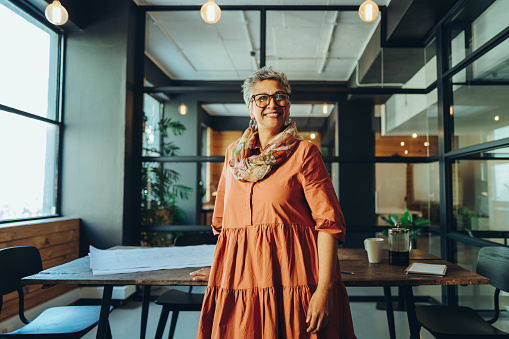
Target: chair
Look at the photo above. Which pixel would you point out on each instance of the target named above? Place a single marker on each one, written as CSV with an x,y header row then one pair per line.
x,y
455,322
57,322
175,300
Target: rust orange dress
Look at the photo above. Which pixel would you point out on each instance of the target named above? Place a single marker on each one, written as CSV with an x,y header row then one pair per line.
x,y
265,266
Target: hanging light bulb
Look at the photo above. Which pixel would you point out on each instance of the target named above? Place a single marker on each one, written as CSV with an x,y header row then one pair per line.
x,y
56,13
182,109
325,108
368,11
210,12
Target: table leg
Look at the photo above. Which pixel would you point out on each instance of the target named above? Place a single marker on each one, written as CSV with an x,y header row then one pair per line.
x,y
144,310
102,327
410,311
389,311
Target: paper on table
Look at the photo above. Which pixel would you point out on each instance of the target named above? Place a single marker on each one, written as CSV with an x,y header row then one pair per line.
x,y
149,259
428,269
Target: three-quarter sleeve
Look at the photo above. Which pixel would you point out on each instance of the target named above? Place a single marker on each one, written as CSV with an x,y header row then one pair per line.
x,y
217,217
320,195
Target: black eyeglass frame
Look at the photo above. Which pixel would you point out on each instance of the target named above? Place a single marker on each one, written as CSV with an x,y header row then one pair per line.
x,y
273,96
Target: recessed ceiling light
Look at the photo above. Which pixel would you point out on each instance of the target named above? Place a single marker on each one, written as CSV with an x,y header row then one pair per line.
x,y
497,118
406,151
313,135
414,135
426,143
402,143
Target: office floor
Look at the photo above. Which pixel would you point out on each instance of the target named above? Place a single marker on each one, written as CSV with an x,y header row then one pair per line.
x,y
369,322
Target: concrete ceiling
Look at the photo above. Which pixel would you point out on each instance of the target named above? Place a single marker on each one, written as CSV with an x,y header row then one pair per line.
x,y
306,45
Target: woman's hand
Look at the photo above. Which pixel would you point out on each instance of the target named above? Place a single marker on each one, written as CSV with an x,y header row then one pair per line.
x,y
322,303
201,275
320,306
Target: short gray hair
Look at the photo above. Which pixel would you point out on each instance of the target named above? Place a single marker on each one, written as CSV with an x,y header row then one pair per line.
x,y
264,73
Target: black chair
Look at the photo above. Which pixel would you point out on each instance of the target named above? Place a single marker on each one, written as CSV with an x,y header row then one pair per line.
x,y
56,322
455,322
175,300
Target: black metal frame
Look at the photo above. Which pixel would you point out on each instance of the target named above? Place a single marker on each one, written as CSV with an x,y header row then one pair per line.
x,y
447,155
36,14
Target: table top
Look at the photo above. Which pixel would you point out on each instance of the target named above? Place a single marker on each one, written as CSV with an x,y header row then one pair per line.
x,y
348,254
79,272
384,274
351,260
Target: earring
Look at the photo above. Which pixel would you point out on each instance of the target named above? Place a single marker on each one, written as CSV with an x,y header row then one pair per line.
x,y
288,121
253,125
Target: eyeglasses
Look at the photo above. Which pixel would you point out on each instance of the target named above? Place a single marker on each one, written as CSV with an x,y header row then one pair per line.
x,y
262,100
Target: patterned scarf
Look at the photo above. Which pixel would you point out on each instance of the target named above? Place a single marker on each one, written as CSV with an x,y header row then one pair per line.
x,y
247,167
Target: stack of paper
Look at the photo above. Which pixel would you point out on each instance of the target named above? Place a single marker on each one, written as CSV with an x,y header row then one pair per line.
x,y
149,259
429,269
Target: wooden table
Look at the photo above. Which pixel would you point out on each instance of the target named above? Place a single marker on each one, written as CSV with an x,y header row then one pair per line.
x,y
352,260
386,275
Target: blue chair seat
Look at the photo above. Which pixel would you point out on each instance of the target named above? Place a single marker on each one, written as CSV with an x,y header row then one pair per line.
x,y
67,322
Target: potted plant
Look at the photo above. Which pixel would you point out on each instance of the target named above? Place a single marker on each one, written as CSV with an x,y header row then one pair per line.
x,y
415,226
160,188
466,219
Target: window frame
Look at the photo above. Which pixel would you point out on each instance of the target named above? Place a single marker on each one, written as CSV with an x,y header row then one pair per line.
x,y
37,17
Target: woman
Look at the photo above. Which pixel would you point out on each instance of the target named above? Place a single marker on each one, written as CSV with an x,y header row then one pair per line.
x,y
275,272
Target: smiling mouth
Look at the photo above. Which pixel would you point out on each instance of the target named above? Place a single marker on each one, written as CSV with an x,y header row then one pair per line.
x,y
271,115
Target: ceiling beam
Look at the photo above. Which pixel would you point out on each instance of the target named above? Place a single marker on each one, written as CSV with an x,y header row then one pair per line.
x,y
257,8
324,87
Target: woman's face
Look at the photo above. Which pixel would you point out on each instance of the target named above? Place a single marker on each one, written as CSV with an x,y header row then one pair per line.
x,y
273,117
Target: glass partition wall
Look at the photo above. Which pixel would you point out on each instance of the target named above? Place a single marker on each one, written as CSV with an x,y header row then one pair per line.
x,y
436,142
476,122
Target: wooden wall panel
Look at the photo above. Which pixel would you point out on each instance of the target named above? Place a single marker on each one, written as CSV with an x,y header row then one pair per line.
x,y
58,242
219,141
388,146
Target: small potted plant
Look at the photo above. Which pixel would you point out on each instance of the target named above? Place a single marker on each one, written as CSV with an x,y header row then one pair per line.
x,y
466,219
415,226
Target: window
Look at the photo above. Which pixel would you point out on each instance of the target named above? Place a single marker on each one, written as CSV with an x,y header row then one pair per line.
x,y
29,119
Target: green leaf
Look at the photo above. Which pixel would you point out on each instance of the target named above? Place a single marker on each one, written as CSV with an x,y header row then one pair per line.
x,y
422,222
182,191
406,218
391,220
170,149
177,128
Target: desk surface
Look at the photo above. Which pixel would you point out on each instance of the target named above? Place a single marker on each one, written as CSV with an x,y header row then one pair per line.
x,y
349,254
352,260
384,274
78,272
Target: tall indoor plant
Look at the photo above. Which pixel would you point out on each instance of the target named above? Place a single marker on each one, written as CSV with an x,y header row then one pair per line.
x,y
160,188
